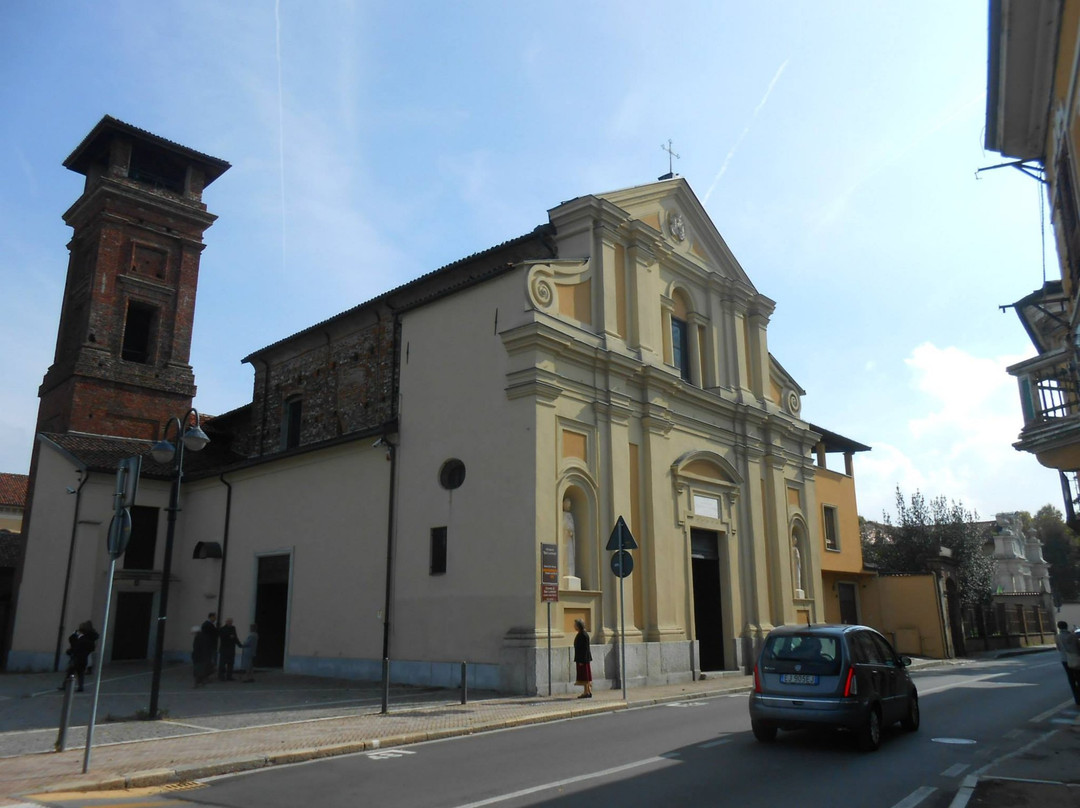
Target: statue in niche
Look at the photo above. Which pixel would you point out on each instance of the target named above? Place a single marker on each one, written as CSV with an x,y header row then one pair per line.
x,y
796,558
569,537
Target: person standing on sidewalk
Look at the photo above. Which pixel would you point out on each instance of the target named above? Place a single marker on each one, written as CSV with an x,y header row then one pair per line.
x,y
80,646
583,659
1069,648
228,642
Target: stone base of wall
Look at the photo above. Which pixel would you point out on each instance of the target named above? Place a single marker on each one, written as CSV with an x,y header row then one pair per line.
x,y
525,670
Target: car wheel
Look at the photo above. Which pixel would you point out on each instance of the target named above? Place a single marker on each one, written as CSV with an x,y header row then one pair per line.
x,y
869,736
766,733
910,721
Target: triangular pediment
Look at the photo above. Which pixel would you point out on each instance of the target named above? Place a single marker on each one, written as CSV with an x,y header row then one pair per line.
x,y
672,208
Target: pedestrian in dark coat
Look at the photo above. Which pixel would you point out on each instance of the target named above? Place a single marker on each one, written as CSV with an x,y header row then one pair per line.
x,y
80,646
210,629
228,642
582,659
1068,646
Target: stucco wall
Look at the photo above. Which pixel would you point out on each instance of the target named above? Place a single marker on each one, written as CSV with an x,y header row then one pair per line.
x,y
454,404
906,609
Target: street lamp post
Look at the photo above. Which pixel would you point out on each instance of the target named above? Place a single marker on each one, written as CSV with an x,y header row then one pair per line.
x,y
163,451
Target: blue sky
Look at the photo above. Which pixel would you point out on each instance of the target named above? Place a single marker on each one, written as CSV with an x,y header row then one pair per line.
x,y
834,145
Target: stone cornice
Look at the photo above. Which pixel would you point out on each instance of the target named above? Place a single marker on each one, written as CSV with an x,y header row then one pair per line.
x,y
106,189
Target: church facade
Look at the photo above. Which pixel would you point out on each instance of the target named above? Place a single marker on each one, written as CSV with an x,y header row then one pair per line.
x,y
408,470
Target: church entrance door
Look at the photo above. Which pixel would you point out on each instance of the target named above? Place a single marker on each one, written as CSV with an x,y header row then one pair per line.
x,y
272,609
131,633
708,614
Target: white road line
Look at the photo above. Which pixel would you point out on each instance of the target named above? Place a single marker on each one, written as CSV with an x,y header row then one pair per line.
x,y
568,781
190,726
915,797
963,794
1022,750
968,682
1052,711
955,770
711,744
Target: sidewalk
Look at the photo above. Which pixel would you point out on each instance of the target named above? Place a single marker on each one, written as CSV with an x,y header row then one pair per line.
x,y
230,726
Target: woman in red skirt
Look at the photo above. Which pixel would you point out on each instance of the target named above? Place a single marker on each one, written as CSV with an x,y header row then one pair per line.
x,y
582,658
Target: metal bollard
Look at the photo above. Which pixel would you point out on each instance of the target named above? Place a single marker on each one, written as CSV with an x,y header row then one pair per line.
x,y
464,683
65,714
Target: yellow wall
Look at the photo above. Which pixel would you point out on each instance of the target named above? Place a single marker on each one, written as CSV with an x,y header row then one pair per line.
x,y
838,490
906,609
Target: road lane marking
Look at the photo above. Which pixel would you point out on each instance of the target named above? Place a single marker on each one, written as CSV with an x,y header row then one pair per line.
x,y
955,770
190,726
967,682
387,754
1057,708
711,744
915,797
525,792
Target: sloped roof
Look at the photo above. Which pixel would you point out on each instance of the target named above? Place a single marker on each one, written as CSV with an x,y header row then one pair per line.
x,y
838,443
101,453
95,145
13,489
453,276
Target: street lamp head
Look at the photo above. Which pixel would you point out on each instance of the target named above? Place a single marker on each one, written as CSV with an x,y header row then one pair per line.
x,y
163,452
195,439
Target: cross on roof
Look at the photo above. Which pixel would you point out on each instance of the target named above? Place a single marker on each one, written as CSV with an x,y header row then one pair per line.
x,y
671,154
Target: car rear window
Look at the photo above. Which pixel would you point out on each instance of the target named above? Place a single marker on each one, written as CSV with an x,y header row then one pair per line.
x,y
812,653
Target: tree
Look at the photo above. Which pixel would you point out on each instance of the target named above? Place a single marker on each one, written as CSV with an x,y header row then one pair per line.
x,y
1061,548
922,528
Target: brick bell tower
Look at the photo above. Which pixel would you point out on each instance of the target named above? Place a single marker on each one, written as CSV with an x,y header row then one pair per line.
x,y
122,349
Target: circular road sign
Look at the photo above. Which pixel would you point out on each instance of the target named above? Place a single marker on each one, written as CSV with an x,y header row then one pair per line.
x,y
622,563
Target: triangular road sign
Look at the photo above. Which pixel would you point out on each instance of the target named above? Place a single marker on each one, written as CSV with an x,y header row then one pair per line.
x,y
621,537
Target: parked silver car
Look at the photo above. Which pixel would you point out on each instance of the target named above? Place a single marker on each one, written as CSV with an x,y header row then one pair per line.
x,y
831,675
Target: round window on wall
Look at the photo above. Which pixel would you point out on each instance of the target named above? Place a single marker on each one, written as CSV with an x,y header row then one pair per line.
x,y
452,474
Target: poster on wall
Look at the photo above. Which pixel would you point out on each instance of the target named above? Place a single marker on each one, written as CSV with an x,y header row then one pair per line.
x,y
549,573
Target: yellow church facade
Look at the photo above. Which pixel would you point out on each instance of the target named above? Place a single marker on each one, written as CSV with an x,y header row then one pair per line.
x,y
396,484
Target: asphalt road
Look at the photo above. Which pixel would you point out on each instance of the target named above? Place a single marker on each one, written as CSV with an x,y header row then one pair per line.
x,y
694,752
699,753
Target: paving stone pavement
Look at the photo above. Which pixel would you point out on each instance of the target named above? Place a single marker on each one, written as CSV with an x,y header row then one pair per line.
x,y
232,726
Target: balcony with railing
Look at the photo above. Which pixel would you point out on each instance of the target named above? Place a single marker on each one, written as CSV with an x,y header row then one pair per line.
x,y
1050,399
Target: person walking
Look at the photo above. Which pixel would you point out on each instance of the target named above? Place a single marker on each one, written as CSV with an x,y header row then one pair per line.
x,y
80,645
247,656
583,659
1068,646
228,642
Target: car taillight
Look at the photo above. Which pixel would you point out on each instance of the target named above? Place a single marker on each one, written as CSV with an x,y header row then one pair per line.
x,y
851,685
757,681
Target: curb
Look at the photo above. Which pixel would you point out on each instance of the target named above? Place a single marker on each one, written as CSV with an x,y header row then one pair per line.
x,y
149,778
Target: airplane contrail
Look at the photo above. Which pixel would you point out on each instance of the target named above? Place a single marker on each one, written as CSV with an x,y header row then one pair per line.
x,y
746,129
281,124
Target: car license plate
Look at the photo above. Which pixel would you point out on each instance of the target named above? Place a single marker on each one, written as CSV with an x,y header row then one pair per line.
x,y
799,678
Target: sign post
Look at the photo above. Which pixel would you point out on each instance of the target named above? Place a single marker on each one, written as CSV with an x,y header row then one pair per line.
x,y
549,590
127,483
622,564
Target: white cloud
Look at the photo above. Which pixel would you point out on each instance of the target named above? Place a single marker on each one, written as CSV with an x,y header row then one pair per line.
x,y
960,445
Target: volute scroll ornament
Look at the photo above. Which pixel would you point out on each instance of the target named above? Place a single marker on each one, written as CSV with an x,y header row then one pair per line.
x,y
542,279
793,402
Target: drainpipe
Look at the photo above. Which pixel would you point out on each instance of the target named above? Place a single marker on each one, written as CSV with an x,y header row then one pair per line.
x,y
391,455
70,561
224,549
